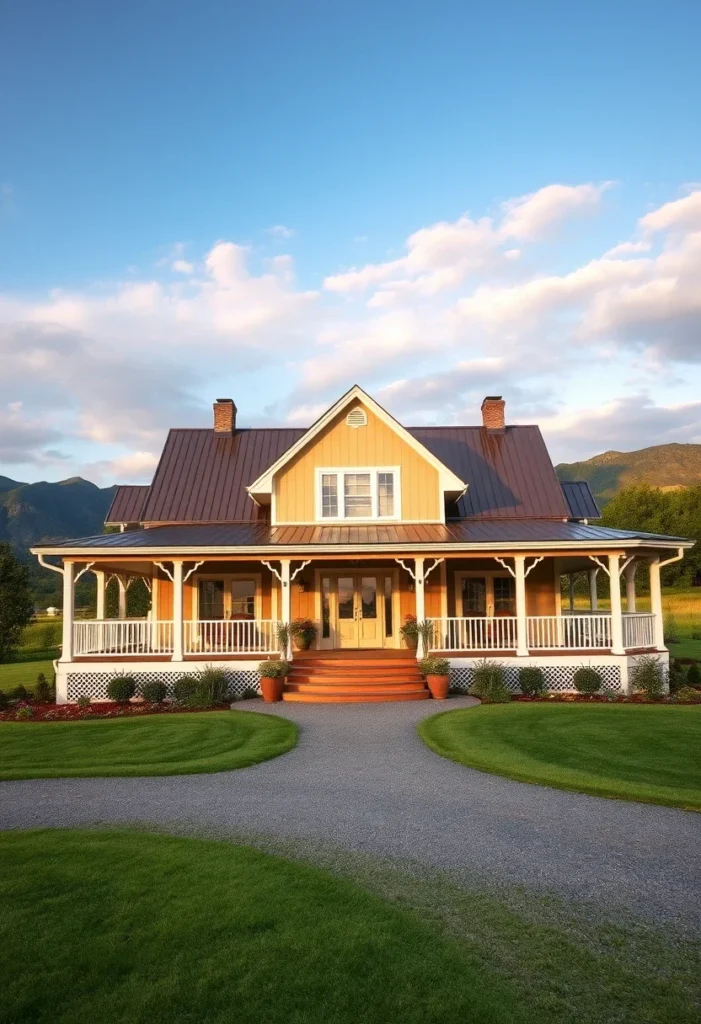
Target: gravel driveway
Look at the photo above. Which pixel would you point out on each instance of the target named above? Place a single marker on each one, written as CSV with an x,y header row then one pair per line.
x,y
361,779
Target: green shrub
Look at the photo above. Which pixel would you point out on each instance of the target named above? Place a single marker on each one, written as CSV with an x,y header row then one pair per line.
x,y
274,668
4,700
531,680
154,692
42,690
83,701
121,689
688,695
249,693
647,676
19,693
497,695
676,677
434,667
184,689
487,677
212,687
25,711
693,676
587,680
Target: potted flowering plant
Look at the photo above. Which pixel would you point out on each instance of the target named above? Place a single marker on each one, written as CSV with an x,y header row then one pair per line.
x,y
410,632
437,673
273,676
303,633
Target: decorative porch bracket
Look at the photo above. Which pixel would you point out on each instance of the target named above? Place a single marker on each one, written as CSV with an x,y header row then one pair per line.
x,y
167,572
189,573
405,566
86,568
430,569
297,571
272,569
513,571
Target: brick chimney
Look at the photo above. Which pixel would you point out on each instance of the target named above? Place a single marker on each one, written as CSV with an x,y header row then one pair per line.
x,y
224,416
493,413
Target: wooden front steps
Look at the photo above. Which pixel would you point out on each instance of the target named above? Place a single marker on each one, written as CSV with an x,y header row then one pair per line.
x,y
319,677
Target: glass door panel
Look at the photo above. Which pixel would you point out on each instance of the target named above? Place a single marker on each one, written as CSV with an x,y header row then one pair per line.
x,y
211,599
474,596
370,625
347,634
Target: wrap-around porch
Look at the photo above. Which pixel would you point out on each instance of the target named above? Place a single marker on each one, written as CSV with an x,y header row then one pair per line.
x,y
506,605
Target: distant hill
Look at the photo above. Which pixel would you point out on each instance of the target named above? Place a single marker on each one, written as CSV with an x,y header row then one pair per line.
x,y
665,465
51,511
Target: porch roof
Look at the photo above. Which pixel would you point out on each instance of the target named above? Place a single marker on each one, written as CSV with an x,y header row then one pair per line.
x,y
259,538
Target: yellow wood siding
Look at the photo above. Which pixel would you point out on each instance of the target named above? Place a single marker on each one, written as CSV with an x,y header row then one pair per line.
x,y
339,446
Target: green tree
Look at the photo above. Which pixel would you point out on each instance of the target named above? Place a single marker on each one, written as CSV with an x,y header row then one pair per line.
x,y
674,512
16,606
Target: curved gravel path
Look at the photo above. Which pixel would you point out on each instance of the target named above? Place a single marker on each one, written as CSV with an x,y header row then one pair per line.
x,y
361,779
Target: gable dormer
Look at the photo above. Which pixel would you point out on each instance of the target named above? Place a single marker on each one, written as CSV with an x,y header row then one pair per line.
x,y
356,464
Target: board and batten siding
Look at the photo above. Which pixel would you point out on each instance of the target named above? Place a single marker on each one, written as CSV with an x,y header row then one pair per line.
x,y
339,446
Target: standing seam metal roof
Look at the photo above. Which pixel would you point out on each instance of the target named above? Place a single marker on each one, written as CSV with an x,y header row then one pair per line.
x,y
202,476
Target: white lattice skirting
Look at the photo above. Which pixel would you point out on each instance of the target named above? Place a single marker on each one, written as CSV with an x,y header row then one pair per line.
x,y
94,683
558,678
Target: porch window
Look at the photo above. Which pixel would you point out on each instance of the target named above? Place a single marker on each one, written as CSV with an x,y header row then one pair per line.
x,y
211,595
358,494
243,598
504,595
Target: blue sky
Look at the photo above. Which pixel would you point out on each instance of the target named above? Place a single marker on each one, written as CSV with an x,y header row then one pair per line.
x,y
277,200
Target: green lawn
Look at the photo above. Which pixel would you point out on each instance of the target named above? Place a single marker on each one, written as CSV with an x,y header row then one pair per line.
x,y
115,926
169,744
24,673
686,648
627,751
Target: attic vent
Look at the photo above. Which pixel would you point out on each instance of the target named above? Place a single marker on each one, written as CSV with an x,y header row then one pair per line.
x,y
357,418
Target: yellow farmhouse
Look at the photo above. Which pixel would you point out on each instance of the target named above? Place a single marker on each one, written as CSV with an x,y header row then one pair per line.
x,y
366,528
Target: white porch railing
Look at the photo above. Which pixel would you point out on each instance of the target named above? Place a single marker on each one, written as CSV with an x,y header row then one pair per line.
x,y
475,634
122,636
572,632
638,629
231,636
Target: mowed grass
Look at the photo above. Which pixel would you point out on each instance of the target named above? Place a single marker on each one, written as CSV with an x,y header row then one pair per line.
x,y
24,674
121,926
650,753
169,744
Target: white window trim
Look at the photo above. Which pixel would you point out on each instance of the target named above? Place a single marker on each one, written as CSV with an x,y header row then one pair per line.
x,y
227,578
339,471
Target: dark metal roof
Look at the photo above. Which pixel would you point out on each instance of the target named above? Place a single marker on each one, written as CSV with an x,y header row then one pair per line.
x,y
202,476
580,499
128,504
464,533
509,474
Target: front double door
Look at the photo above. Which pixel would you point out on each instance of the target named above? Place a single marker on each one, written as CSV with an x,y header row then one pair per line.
x,y
357,610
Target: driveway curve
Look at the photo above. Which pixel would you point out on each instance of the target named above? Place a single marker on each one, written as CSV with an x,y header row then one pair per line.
x,y
361,779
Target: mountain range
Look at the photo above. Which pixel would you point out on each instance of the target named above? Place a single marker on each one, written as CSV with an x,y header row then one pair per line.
x,y
668,466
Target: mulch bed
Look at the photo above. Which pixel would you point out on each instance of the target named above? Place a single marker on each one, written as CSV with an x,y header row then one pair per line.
x,y
29,711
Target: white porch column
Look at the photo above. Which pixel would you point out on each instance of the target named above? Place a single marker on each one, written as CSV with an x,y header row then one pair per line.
x,y
630,586
68,602
100,607
122,597
616,609
178,630
286,600
656,604
420,601
593,595
521,612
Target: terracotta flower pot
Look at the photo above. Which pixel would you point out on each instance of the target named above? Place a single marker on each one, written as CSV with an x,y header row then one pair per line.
x,y
301,642
412,642
272,687
438,685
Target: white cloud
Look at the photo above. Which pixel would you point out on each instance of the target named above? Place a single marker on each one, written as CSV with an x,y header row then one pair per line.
x,y
182,267
280,231
534,216
679,215
627,249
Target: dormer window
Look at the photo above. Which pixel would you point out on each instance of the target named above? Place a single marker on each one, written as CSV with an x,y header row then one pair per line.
x,y
361,493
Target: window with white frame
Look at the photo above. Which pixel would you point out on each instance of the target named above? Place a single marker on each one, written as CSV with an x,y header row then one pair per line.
x,y
358,493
